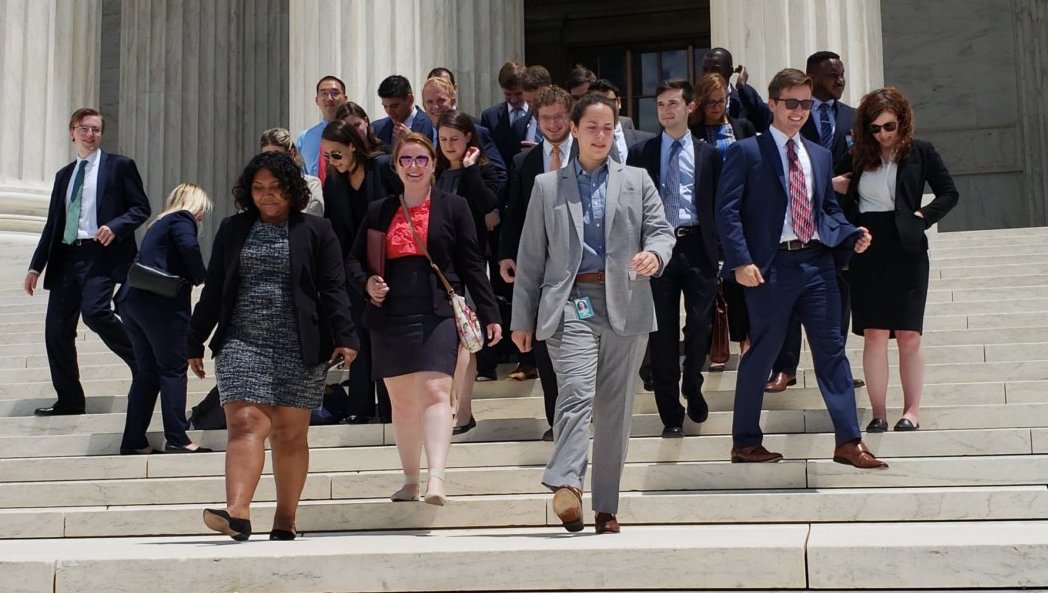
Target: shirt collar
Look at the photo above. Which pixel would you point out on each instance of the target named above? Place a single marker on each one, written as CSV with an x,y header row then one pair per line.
x,y
411,117
815,103
565,146
524,107
779,137
667,141
92,158
579,171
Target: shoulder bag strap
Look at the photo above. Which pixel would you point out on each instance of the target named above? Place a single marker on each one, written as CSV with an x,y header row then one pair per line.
x,y
422,248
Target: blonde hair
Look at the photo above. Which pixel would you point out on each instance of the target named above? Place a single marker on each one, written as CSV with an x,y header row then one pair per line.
x,y
280,137
187,196
441,83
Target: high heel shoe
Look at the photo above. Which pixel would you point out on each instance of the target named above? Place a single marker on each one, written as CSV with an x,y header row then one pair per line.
x,y
436,495
222,522
408,492
283,534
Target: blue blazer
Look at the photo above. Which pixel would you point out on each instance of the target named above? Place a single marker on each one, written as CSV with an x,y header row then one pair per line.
x,y
171,245
384,127
751,204
507,136
120,203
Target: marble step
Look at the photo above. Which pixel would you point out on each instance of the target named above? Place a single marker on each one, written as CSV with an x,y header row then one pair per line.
x,y
1031,279
88,372
42,387
924,443
663,508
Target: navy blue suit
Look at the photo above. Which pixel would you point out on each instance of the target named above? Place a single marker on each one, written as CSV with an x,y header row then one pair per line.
x,y
81,277
752,200
384,127
507,136
158,327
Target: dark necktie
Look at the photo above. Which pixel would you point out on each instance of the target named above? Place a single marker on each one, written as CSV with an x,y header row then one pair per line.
x,y
671,186
515,115
825,126
800,209
72,222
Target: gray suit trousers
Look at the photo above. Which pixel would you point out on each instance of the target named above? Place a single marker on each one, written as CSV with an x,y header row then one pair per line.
x,y
596,369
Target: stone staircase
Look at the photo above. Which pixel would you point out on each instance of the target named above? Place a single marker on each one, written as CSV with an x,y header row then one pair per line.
x,y
964,505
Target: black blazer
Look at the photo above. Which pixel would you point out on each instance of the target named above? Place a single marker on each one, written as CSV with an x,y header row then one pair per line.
x,y
318,284
451,242
483,190
746,103
648,156
507,136
844,116
171,245
120,203
383,128
922,165
345,216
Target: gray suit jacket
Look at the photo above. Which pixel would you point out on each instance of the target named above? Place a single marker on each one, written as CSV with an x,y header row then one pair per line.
x,y
551,250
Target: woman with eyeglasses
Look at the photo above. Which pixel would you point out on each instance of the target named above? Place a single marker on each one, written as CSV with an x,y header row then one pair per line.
x,y
279,139
352,184
712,123
889,281
463,169
414,340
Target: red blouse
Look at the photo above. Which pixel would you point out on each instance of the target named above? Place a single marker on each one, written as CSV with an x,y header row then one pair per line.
x,y
399,241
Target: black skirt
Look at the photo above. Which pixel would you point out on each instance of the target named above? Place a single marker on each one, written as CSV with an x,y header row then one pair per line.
x,y
889,287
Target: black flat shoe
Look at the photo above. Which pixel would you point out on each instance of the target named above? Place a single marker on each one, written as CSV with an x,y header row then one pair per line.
x,y
282,535
672,432
220,521
904,425
56,411
179,449
698,410
150,451
465,427
877,425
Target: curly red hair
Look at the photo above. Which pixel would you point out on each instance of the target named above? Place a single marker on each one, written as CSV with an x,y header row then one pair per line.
x,y
866,151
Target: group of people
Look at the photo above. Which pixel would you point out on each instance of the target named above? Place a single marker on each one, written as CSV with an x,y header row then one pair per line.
x,y
550,204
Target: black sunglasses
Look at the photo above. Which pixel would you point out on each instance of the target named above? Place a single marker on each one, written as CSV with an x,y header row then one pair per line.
x,y
804,104
890,126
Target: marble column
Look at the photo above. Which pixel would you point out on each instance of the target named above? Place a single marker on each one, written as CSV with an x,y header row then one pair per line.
x,y
49,67
1030,19
199,81
362,42
767,36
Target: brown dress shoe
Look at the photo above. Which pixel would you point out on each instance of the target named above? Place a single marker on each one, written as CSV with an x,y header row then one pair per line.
x,y
567,504
779,382
523,372
754,454
607,523
856,453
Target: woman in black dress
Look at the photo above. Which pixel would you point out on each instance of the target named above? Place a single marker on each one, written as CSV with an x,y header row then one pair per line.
x,y
413,337
889,281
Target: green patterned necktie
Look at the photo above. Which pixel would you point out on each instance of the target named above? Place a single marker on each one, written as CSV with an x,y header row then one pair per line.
x,y
72,222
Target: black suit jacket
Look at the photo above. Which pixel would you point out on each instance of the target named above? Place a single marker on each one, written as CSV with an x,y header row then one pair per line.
x,y
346,216
120,203
844,117
384,127
633,137
318,286
922,165
451,242
648,155
746,103
171,245
507,136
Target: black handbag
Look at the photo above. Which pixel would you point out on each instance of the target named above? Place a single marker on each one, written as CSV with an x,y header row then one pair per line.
x,y
154,280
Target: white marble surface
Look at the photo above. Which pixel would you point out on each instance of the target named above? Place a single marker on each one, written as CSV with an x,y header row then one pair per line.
x,y
933,471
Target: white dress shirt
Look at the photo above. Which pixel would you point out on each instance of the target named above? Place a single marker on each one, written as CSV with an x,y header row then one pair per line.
x,y
877,188
620,141
87,227
809,177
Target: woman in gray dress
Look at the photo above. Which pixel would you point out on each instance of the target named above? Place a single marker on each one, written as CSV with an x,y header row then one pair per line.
x,y
276,291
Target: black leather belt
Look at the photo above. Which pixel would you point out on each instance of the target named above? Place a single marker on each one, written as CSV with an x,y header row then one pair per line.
x,y
81,243
797,245
684,231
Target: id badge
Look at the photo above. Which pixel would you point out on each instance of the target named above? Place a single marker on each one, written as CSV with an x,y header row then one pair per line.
x,y
583,307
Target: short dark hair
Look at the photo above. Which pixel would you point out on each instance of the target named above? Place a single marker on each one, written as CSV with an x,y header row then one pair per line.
x,y
535,77
343,133
510,73
350,108
787,78
441,71
687,91
579,75
604,85
589,100
394,87
83,112
462,122
288,175
818,58
719,51
341,84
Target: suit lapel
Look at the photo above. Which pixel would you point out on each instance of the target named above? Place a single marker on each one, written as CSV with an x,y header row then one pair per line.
x,y
568,186
611,200
770,152
100,186
911,160
416,124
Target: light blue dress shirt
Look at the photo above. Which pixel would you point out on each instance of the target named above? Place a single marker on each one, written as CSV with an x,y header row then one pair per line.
x,y
308,145
593,190
688,216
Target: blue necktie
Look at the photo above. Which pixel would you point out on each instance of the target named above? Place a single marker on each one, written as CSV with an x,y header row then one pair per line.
x,y
671,185
825,126
515,115
72,222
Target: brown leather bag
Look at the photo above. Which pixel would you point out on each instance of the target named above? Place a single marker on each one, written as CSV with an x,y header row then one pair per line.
x,y
719,352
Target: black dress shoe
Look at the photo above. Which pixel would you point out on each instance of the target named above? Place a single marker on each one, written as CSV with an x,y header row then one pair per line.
x,y
220,521
148,451
465,427
57,411
282,535
904,425
857,383
357,419
698,409
179,449
877,425
672,432
649,382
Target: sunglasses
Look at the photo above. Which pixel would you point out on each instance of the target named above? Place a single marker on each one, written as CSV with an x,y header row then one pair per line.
x,y
890,126
804,104
409,161
334,155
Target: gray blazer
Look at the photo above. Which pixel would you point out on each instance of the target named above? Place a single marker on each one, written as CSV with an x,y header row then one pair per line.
x,y
551,250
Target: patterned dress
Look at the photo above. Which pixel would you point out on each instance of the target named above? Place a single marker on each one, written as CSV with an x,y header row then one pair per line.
x,y
261,361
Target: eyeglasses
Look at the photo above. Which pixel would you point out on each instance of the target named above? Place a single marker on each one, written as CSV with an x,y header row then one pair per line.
x,y
552,119
407,162
712,103
890,126
88,129
330,94
334,155
804,104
